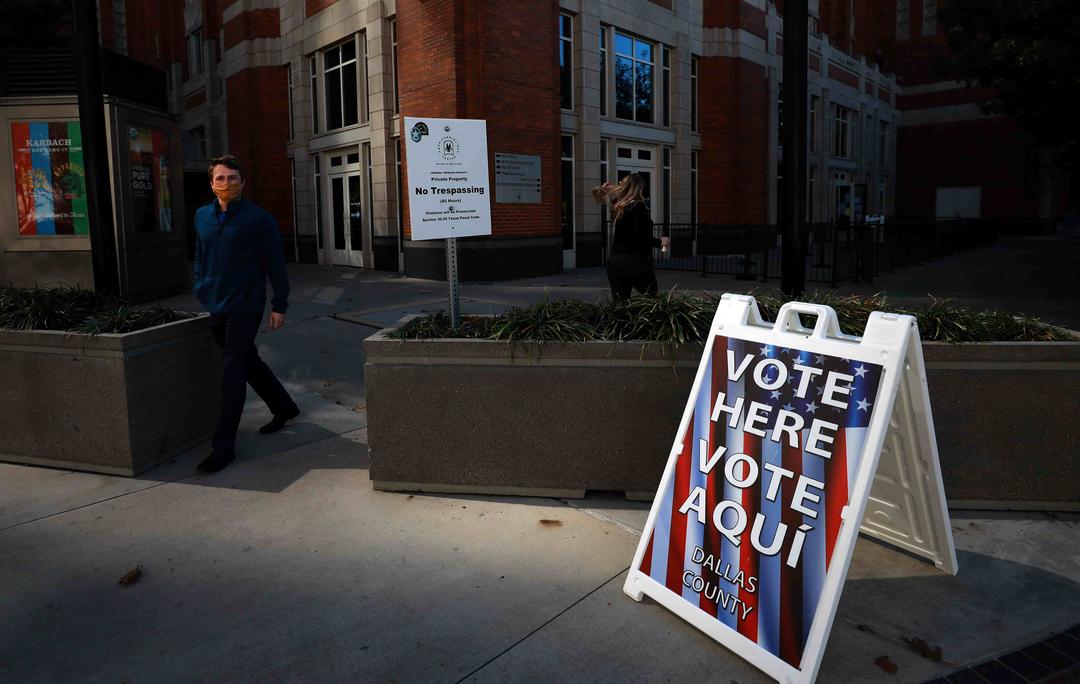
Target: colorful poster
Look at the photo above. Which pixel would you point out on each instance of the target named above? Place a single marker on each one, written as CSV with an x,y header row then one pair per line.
x,y
148,162
50,178
746,528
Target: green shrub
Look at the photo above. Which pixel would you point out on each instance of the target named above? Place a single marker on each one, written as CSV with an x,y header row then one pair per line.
x,y
77,310
677,319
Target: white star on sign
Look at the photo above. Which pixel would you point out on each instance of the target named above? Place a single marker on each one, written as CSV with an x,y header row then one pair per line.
x,y
812,407
864,405
860,371
799,359
820,390
789,407
819,359
766,349
775,394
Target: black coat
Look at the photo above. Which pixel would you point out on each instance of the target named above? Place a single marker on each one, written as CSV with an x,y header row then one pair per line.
x,y
634,232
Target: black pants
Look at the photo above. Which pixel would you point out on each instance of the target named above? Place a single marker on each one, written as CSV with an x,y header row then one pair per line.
x,y
628,272
236,337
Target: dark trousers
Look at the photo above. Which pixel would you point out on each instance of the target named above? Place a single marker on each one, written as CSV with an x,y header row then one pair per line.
x,y
628,272
236,337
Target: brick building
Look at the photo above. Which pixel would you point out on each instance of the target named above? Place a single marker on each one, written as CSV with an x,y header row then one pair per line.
x,y
312,94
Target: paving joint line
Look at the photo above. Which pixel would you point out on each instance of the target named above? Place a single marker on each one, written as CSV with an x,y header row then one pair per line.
x,y
546,623
603,518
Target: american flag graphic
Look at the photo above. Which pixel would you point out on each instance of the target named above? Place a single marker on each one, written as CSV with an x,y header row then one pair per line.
x,y
756,594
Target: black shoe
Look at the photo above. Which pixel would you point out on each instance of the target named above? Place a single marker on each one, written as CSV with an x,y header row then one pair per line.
x,y
216,461
279,421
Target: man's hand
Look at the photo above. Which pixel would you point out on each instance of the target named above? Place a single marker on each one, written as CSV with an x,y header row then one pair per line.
x,y
276,320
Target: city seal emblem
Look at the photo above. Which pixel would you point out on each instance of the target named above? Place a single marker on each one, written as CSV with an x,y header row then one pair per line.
x,y
448,148
418,131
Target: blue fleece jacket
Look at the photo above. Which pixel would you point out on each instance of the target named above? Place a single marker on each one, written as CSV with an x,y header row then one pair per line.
x,y
235,252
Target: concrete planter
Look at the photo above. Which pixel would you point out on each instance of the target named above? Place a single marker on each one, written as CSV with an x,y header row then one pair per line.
x,y
479,416
116,404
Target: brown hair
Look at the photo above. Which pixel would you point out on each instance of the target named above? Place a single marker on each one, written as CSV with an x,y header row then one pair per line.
x,y
226,160
630,189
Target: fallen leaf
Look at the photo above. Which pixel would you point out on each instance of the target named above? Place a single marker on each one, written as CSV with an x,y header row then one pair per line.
x,y
132,577
924,649
865,628
547,522
885,664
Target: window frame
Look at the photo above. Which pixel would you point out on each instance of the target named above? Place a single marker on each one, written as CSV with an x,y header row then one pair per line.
x,y
635,61
603,71
843,130
665,84
694,93
566,42
338,70
314,84
196,62
813,110
394,64
567,218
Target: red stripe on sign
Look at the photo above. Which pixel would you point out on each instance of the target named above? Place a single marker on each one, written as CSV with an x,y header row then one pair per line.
x,y
791,578
748,555
836,492
646,560
677,540
714,488
24,179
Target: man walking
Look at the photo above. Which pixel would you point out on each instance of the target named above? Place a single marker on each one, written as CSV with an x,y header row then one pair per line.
x,y
237,247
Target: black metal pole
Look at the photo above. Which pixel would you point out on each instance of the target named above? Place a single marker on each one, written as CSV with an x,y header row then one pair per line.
x,y
793,257
95,147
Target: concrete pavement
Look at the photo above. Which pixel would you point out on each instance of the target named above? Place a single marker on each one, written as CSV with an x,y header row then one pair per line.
x,y
287,565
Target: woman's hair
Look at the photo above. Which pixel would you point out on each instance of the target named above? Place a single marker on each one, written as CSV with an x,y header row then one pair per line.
x,y
630,189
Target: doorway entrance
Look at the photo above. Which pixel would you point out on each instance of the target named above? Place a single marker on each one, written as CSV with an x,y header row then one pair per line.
x,y
349,237
640,159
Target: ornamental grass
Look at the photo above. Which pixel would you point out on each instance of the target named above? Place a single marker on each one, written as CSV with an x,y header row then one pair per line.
x,y
77,310
678,319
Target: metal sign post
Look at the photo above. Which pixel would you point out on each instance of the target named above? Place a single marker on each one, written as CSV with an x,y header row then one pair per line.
x,y
452,279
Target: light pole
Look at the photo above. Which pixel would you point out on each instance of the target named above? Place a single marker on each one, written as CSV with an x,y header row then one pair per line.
x,y
793,192
95,148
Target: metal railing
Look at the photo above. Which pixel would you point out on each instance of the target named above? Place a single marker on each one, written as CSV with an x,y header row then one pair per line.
x,y
835,253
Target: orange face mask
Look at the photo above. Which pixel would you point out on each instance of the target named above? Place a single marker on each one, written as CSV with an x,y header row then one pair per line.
x,y
227,192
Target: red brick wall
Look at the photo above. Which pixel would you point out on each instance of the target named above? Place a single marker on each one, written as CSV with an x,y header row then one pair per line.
x,y
733,179
734,14
260,23
497,61
990,153
258,130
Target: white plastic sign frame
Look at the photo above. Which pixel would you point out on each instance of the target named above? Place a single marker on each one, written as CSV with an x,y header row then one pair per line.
x,y
447,167
896,493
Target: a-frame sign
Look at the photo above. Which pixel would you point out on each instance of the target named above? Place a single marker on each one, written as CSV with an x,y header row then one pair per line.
x,y
793,440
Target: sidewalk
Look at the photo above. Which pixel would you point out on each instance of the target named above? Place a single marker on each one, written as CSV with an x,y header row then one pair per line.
x,y
287,565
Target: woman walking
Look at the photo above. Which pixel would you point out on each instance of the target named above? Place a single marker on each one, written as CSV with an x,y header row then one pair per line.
x,y
630,265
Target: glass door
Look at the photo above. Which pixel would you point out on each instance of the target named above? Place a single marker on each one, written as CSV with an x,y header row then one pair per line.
x,y
346,210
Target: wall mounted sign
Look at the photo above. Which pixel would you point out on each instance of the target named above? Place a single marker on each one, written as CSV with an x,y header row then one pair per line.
x,y
517,178
784,437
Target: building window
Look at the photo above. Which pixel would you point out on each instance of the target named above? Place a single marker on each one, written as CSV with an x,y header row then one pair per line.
x,y
843,125
318,204
883,142
314,96
366,148
666,179
780,114
567,162
813,122
903,19
811,181
882,184
666,85
363,75
603,71
779,192
929,17
292,85
566,61
195,53
693,187
195,143
693,93
603,179
633,78
340,85
393,63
